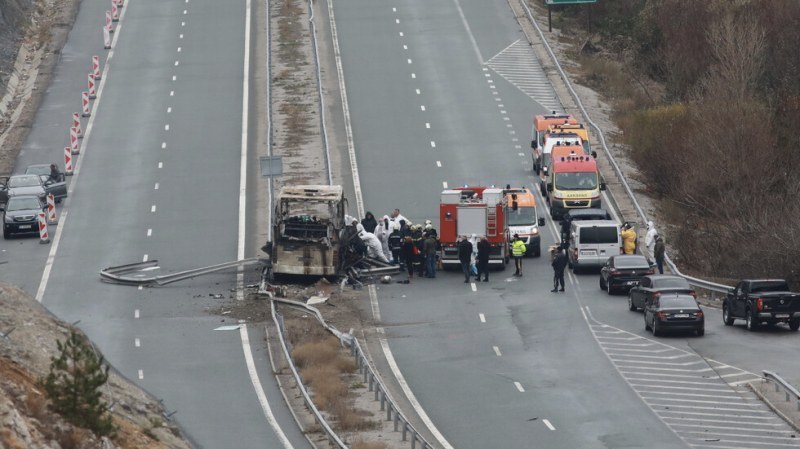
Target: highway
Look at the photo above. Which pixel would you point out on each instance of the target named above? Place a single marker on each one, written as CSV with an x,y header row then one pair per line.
x,y
507,363
159,177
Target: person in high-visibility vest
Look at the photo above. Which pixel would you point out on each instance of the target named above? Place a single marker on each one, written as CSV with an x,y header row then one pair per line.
x,y
518,250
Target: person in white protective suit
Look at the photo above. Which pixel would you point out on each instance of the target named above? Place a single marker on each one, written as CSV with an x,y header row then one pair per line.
x,y
650,237
382,232
374,248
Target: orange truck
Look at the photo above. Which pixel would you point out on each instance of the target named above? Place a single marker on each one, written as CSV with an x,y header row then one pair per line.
x,y
573,182
541,124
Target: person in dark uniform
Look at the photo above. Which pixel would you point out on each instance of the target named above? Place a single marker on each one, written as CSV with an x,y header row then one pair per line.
x,y
465,256
483,259
559,265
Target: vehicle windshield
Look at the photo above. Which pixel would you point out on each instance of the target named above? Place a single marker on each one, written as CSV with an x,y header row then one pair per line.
x,y
38,170
631,262
678,302
671,283
24,181
576,181
522,216
23,203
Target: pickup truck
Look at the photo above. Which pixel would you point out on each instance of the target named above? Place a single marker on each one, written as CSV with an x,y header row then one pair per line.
x,y
759,301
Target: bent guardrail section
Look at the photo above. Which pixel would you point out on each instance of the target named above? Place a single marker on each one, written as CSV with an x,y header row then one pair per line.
x,y
373,381
702,283
790,392
135,273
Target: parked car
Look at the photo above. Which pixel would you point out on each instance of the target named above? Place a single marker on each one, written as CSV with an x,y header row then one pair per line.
x,y
20,215
653,286
43,170
674,312
623,271
592,242
760,301
32,185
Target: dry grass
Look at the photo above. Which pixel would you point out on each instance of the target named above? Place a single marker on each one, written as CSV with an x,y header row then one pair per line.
x,y
361,444
36,405
72,439
348,418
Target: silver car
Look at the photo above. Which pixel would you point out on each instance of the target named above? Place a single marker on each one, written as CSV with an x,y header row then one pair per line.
x,y
38,185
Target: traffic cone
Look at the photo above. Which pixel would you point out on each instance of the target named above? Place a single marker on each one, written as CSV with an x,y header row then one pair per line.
x,y
106,37
73,141
114,11
68,161
85,104
109,22
96,68
76,123
52,218
92,88
44,237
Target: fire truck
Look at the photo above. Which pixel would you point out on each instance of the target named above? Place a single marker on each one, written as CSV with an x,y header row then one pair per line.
x,y
475,210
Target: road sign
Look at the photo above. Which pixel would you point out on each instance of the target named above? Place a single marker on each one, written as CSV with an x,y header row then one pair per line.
x,y
568,2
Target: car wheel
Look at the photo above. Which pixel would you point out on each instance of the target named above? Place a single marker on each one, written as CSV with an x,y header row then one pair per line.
x,y
794,324
6,234
701,331
752,324
646,324
631,307
726,315
537,252
656,330
608,288
602,284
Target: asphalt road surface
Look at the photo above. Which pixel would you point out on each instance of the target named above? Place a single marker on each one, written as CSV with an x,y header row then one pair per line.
x,y
158,178
435,102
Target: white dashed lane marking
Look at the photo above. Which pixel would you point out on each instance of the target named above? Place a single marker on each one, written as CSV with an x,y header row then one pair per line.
x,y
519,387
482,317
136,314
497,351
701,400
444,184
548,424
137,343
141,374
438,163
153,208
144,259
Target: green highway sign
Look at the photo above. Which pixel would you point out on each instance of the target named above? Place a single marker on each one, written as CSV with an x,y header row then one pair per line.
x,y
568,2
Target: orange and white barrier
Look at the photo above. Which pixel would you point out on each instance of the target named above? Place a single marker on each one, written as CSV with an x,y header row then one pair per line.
x,y
92,88
76,123
68,161
106,37
73,141
114,11
44,237
96,68
85,104
109,22
52,218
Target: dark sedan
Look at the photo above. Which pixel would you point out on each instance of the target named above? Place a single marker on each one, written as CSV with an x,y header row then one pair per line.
x,y
32,185
653,286
674,312
20,215
621,272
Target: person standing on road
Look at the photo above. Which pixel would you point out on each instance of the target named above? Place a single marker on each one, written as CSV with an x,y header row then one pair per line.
x,y
382,231
565,225
464,256
407,253
658,252
650,237
429,250
628,239
559,265
483,259
395,242
369,222
518,251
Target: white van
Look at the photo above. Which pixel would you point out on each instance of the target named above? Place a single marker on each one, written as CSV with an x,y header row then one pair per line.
x,y
592,242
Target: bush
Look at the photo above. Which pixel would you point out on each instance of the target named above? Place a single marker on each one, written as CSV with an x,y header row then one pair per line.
x,y
73,385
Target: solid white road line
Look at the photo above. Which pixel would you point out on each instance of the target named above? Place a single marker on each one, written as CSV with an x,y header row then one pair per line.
x,y
547,423
497,351
469,32
519,387
482,317
251,369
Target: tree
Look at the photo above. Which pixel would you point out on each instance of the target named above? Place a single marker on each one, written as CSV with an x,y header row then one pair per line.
x,y
73,385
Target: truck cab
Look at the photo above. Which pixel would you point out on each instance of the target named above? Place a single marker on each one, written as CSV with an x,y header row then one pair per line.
x,y
552,140
541,124
578,129
523,218
574,182
474,210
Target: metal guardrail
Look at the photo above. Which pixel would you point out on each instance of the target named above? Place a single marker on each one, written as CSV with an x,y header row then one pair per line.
x,y
789,391
373,381
134,273
702,283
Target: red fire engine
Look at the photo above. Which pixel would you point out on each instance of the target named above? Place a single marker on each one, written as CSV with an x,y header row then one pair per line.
x,y
481,211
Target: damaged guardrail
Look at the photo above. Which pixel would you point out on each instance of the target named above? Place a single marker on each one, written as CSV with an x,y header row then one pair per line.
x,y
136,273
374,383
702,283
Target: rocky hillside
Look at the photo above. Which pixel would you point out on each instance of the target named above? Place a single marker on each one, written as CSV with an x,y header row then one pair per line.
x,y
28,336
14,19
